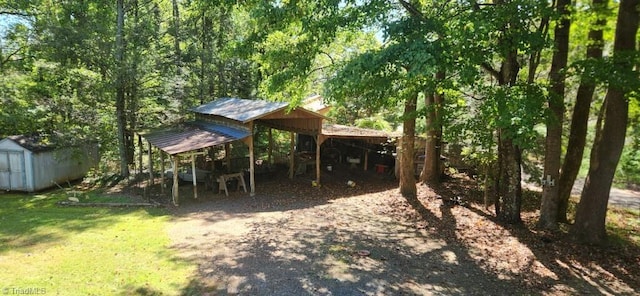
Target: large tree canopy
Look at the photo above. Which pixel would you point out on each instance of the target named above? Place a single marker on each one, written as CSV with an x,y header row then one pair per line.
x,y
493,77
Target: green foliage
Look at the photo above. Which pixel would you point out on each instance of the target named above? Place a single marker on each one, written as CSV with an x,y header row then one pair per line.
x,y
611,71
17,115
516,110
298,46
629,168
366,57
376,122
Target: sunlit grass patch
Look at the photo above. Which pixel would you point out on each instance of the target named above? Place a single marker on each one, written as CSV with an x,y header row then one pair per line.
x,y
86,251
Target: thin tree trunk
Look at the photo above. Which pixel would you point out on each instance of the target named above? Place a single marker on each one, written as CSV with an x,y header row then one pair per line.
x,y
131,96
205,57
580,117
120,91
535,57
407,171
177,54
591,213
222,81
553,143
431,172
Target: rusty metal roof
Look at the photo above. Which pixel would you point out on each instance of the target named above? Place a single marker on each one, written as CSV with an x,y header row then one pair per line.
x,y
241,110
343,131
192,136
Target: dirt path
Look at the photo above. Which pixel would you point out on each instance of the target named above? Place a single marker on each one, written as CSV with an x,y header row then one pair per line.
x,y
617,197
297,240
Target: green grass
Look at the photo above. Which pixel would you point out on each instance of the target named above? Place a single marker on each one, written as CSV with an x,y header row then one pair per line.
x,y
623,226
87,251
97,197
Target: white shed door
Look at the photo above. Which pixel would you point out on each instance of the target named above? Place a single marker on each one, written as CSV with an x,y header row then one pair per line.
x,y
12,171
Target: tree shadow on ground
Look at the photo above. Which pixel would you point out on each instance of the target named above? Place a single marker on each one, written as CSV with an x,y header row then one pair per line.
x,y
341,251
292,238
572,268
295,239
32,219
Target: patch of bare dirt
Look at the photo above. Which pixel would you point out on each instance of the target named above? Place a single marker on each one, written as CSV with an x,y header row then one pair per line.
x,y
295,239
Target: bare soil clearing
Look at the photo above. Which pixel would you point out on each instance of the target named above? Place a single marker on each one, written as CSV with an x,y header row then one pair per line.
x,y
295,239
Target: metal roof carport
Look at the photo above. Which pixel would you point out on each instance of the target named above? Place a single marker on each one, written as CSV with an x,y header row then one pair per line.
x,y
185,139
225,120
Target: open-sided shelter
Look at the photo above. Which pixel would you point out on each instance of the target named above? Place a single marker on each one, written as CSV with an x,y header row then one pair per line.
x,y
227,120
231,119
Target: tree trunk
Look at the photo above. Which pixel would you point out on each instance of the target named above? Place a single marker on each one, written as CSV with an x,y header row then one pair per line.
x,y
205,56
407,171
591,213
177,54
120,91
509,200
431,172
131,94
508,187
580,117
553,143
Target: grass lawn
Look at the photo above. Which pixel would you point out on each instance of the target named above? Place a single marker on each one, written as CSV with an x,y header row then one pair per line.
x,y
86,251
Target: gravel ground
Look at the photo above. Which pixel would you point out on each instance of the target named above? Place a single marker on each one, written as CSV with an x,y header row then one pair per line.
x,y
295,239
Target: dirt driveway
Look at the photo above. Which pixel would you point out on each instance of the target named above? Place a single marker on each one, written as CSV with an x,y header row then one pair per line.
x,y
617,197
294,239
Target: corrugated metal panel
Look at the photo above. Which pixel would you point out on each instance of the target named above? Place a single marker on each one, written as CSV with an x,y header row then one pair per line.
x,y
238,133
242,110
190,137
336,130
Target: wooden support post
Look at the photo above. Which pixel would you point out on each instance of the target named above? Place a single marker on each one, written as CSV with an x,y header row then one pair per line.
x,y
366,158
318,143
399,151
270,147
212,155
292,155
140,154
252,161
162,172
175,191
150,164
227,156
193,176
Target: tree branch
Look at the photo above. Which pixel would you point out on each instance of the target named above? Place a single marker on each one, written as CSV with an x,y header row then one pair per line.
x,y
16,13
413,11
472,96
7,59
495,73
329,56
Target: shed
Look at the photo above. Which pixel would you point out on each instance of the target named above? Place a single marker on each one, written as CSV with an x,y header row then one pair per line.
x,y
29,164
